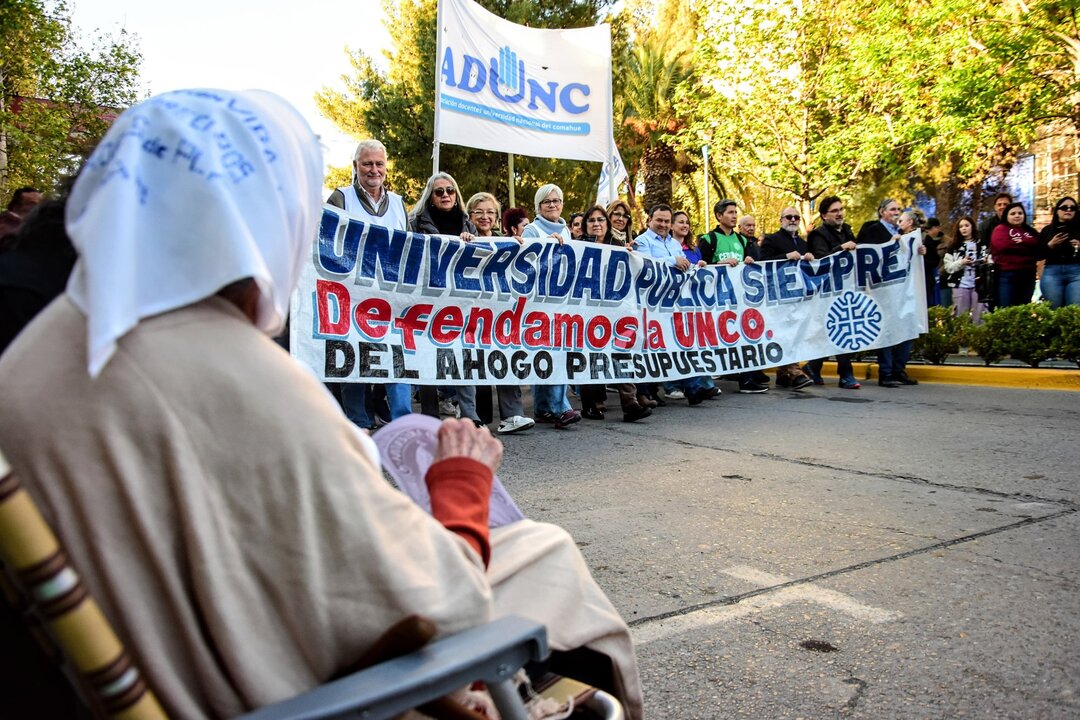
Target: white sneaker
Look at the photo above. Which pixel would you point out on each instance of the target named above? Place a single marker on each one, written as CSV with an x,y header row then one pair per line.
x,y
449,407
674,395
514,424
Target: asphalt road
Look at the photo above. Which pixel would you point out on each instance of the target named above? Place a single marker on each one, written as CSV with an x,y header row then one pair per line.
x,y
880,553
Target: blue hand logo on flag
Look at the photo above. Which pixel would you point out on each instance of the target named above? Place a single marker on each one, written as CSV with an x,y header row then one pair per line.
x,y
508,75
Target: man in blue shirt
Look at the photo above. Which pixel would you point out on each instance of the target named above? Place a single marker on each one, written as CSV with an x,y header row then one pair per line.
x,y
657,243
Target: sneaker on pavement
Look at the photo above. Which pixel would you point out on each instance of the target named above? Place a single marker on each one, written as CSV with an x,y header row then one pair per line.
x,y
675,395
760,378
547,418
592,413
449,407
751,387
711,392
798,382
568,418
514,424
635,412
849,383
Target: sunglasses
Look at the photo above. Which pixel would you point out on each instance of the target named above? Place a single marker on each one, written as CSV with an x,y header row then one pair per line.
x,y
440,191
1068,208
792,217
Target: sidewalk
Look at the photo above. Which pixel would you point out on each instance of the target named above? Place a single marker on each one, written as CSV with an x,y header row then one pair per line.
x,y
964,370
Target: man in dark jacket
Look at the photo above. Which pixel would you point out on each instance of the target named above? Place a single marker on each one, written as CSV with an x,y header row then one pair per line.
x,y
1001,201
832,235
785,244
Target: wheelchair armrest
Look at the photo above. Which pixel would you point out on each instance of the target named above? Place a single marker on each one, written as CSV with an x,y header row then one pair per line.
x,y
492,652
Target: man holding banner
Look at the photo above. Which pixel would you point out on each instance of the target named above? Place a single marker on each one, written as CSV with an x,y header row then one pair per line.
x,y
368,199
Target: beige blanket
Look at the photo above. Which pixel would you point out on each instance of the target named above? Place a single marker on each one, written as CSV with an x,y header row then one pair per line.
x,y
222,511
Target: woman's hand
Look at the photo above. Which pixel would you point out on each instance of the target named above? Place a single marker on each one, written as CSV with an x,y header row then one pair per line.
x,y
460,438
557,236
1058,239
467,236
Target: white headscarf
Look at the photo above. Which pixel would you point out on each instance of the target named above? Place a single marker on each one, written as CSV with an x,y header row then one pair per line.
x,y
188,192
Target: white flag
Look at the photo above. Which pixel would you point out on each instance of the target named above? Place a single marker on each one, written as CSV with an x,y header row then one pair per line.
x,y
614,170
515,89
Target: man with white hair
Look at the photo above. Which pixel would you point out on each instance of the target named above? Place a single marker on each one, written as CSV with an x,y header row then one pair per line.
x,y
787,244
368,199
231,522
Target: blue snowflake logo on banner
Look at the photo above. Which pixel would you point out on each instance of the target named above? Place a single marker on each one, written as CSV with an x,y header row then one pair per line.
x,y
854,321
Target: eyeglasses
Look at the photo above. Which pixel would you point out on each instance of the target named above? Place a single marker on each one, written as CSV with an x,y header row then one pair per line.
x,y
485,213
595,219
617,215
553,202
440,191
1068,208
791,217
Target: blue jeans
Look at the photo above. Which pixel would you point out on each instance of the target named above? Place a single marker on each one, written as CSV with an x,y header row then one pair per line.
x,y
1015,287
354,402
1061,284
893,360
550,399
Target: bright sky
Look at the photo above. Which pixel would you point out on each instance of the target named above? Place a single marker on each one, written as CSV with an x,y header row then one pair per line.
x,y
289,47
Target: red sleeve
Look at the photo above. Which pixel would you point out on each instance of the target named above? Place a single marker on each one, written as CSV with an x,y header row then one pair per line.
x,y
999,239
460,490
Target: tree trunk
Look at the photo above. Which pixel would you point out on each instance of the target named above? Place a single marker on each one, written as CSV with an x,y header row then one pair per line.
x,y
658,164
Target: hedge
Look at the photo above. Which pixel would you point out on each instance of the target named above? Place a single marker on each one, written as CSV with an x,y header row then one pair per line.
x,y
1030,333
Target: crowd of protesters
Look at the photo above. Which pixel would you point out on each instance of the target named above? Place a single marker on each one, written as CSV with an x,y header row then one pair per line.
x,y
971,267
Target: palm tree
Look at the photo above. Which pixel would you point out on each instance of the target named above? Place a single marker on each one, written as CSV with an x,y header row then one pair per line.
x,y
655,67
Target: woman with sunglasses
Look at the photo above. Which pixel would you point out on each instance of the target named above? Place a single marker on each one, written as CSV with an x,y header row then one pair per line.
x,y
1015,246
439,211
622,232
1060,246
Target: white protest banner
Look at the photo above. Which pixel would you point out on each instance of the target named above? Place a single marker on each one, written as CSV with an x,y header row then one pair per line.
x,y
381,305
516,89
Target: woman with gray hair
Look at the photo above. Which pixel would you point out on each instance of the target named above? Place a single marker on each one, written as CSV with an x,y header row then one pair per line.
x,y
439,210
550,401
548,222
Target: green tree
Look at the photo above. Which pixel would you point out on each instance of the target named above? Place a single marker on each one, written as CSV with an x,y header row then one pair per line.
x,y
57,97
397,106
786,103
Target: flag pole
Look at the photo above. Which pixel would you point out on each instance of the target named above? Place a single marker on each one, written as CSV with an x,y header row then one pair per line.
x,y
510,176
611,127
708,211
438,99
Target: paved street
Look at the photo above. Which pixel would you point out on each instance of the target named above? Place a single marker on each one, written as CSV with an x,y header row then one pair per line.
x,y
907,553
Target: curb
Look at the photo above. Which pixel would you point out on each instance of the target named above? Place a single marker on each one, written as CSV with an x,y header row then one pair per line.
x,y
1024,378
